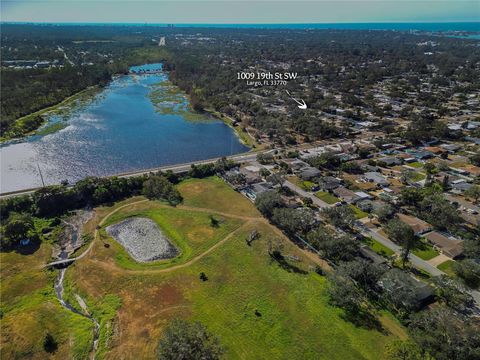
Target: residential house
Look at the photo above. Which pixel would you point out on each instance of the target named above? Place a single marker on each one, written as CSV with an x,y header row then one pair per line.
x,y
253,190
449,246
451,148
376,178
346,195
295,164
395,281
418,226
329,183
459,186
309,173
391,160
250,176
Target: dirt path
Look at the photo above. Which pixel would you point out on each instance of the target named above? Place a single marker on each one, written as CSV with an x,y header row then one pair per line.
x,y
112,266
95,235
312,257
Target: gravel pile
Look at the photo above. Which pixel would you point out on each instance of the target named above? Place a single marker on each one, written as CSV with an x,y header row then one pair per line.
x,y
142,239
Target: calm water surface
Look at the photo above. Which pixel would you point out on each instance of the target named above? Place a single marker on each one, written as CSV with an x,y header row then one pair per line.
x,y
118,131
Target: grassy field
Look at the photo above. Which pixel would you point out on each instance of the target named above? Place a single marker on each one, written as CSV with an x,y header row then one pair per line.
x,y
189,231
447,267
415,164
378,247
327,197
359,214
258,307
418,176
293,318
30,310
304,184
425,251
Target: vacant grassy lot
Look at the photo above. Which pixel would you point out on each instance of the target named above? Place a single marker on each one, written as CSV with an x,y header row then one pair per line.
x,y
418,176
359,214
447,267
260,308
379,248
415,164
425,251
327,197
190,231
214,194
305,185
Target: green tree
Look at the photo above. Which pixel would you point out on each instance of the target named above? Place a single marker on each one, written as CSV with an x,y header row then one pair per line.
x,y
404,350
345,294
439,212
474,193
385,212
444,336
429,167
453,294
277,179
326,160
469,271
403,234
336,249
293,221
188,341
341,216
267,201
365,274
411,196
158,187
17,227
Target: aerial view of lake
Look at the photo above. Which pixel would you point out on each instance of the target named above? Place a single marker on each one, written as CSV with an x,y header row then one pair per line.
x,y
136,122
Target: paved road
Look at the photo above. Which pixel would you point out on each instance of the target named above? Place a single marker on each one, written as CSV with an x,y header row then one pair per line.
x,y
320,203
241,158
415,260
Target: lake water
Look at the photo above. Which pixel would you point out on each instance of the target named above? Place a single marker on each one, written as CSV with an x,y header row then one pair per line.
x,y
119,130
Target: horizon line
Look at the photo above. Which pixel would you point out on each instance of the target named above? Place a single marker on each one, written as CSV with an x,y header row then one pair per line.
x,y
237,23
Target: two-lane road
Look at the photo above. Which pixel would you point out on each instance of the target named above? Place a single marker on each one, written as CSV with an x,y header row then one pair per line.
x,y
178,168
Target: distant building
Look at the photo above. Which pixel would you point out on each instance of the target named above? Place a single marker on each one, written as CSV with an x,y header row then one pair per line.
x,y
345,194
42,64
376,178
161,42
391,160
295,164
328,183
309,173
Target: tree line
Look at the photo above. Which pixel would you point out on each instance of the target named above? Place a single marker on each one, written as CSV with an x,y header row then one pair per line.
x,y
18,212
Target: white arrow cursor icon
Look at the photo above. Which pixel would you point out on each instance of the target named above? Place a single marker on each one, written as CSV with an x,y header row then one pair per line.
x,y
301,105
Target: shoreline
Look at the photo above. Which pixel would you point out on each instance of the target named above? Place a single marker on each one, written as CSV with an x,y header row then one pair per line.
x,y
5,140
244,137
176,168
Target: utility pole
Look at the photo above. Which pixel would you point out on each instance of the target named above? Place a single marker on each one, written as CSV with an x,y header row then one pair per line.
x,y
41,175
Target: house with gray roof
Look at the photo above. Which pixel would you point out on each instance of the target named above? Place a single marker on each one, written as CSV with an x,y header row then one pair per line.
x,y
376,178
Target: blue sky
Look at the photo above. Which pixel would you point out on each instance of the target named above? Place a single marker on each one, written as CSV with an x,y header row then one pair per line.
x,y
240,11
